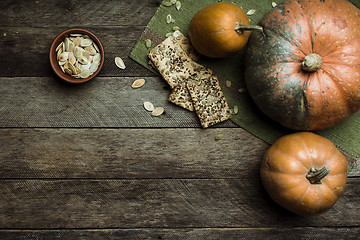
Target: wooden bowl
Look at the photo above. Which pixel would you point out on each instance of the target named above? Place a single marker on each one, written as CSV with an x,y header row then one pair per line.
x,y
53,55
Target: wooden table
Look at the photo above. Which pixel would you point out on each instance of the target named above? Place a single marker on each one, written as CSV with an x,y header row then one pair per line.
x,y
88,162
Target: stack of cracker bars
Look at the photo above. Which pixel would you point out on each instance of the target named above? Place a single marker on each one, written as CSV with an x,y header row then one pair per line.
x,y
194,87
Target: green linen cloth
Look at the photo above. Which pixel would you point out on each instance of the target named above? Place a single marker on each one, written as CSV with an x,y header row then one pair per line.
x,y
346,136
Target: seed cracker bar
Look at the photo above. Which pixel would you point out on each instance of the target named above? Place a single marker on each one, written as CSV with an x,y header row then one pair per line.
x,y
209,101
180,94
171,61
201,70
186,45
181,97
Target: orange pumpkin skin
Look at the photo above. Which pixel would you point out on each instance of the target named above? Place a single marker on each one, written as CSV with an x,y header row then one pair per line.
x,y
285,167
212,30
274,76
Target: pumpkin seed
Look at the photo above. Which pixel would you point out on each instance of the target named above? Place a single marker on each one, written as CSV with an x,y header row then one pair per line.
x,y
148,106
85,74
167,4
83,60
86,42
72,58
157,111
236,109
77,41
178,5
62,63
168,34
273,4
228,83
94,66
73,69
176,28
168,19
75,34
242,90
120,63
173,1
91,50
78,51
148,43
63,56
59,46
138,83
251,12
219,137
67,43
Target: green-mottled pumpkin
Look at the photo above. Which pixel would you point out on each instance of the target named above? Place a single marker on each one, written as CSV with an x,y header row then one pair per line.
x,y
303,71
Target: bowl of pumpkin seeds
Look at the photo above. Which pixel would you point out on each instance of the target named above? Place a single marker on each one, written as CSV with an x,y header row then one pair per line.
x,y
76,55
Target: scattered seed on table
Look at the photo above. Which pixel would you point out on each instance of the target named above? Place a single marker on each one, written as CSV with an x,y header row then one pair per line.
x,y
228,83
242,90
251,12
157,111
178,5
148,106
167,4
219,137
168,19
138,83
120,63
236,109
148,43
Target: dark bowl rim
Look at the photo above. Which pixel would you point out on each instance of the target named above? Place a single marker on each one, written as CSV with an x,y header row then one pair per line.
x,y
53,59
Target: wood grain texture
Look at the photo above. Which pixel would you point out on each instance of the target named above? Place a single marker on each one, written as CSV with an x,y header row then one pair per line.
x,y
158,203
70,13
129,153
154,178
102,102
187,233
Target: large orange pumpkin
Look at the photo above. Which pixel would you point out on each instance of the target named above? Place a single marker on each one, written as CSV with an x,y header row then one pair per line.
x,y
304,172
304,69
220,30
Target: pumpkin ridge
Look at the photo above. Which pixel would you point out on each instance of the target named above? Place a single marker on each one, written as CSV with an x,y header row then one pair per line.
x,y
303,195
306,146
330,190
337,52
295,41
339,88
282,36
338,47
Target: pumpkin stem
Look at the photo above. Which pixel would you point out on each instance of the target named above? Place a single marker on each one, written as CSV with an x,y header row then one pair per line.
x,y
312,62
240,28
315,176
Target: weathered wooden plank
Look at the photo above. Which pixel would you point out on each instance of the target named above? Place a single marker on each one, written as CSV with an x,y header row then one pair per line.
x,y
102,102
129,153
158,203
24,50
68,13
187,233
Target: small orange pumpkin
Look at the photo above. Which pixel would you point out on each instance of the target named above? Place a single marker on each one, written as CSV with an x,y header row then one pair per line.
x,y
304,172
220,30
